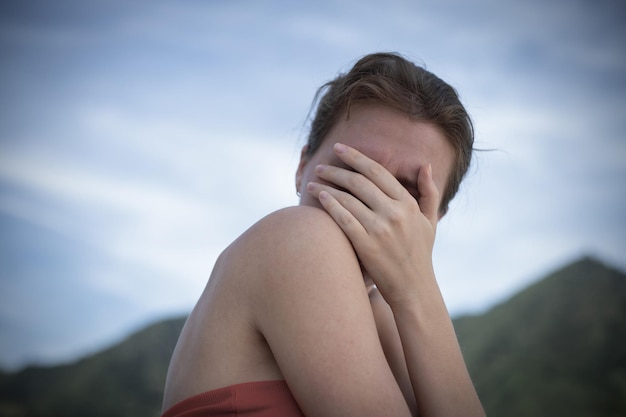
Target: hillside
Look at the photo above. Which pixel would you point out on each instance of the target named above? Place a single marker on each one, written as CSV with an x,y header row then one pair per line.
x,y
554,349
124,380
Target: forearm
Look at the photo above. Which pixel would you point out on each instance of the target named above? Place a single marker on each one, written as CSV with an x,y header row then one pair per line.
x,y
439,377
392,346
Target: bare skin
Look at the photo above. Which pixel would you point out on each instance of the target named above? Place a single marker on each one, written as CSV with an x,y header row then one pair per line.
x,y
289,298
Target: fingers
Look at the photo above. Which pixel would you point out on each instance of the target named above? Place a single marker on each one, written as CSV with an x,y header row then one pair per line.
x,y
371,187
355,183
349,202
371,169
350,225
429,194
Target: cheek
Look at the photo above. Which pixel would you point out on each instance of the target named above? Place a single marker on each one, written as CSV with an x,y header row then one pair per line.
x,y
322,156
441,181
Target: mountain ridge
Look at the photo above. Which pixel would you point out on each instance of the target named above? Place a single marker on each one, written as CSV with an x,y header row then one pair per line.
x,y
569,337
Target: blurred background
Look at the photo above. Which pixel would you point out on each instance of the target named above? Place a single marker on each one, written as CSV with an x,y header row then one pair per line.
x,y
138,139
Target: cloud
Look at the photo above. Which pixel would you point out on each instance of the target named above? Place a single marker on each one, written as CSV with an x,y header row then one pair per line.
x,y
137,141
147,242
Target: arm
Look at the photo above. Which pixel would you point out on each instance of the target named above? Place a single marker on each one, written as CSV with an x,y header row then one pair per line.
x,y
393,235
313,310
392,346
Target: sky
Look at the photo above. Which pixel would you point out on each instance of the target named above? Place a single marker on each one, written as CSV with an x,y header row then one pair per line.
x,y
138,139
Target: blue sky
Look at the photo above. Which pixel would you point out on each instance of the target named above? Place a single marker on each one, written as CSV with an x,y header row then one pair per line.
x,y
137,139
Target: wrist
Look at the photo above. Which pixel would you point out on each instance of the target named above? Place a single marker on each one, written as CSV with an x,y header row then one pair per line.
x,y
418,285
424,303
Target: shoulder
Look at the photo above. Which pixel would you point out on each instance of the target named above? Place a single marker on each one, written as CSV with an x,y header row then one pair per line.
x,y
287,255
290,231
297,220
290,257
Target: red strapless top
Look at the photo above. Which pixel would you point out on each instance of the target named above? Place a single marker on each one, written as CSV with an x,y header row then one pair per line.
x,y
250,399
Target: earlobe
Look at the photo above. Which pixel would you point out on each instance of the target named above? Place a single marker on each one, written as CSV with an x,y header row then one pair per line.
x,y
303,161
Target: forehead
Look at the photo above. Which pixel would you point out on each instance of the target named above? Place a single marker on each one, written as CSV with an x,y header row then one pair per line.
x,y
392,139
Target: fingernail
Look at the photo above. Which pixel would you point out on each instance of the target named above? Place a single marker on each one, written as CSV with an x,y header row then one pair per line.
x,y
320,168
340,148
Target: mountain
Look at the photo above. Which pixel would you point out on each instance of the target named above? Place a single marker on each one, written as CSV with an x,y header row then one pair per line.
x,y
556,348
124,380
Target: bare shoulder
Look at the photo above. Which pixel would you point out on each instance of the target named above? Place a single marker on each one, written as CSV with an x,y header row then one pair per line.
x,y
293,248
286,241
292,225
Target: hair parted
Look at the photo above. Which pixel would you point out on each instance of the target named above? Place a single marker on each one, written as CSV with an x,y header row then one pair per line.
x,y
391,80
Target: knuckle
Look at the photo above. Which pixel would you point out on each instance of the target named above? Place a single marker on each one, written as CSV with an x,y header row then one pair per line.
x,y
344,199
356,181
381,230
395,215
412,207
345,219
374,171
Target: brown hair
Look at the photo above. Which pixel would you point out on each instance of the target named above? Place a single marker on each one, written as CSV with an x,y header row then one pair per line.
x,y
391,80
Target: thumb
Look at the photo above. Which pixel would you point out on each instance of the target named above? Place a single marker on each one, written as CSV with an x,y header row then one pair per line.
x,y
429,194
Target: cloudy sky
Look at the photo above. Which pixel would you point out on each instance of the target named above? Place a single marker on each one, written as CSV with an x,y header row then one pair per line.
x,y
137,139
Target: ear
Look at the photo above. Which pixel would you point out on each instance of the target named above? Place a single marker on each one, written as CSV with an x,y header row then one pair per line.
x,y
303,161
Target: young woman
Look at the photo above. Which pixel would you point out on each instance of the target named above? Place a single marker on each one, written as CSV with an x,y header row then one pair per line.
x,y
331,308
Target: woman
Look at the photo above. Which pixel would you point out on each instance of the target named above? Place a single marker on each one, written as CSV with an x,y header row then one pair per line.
x,y
331,308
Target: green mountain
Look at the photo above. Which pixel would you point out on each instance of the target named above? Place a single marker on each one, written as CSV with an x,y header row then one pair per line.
x,y
124,380
557,348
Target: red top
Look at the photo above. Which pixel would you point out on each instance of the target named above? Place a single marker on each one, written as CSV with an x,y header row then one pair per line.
x,y
251,399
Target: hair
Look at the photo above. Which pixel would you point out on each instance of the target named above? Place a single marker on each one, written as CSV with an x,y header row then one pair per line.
x,y
391,80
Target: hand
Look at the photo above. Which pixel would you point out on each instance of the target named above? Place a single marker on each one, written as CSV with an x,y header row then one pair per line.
x,y
392,233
